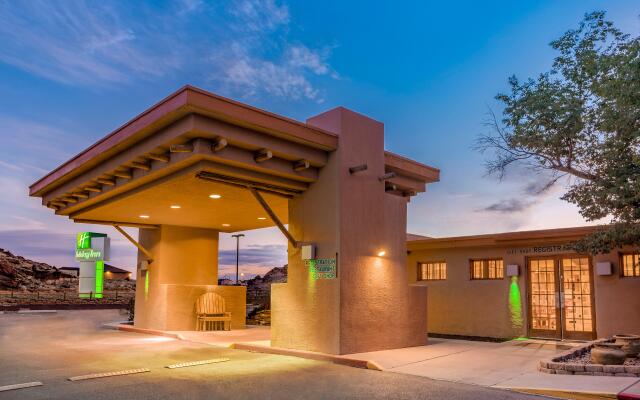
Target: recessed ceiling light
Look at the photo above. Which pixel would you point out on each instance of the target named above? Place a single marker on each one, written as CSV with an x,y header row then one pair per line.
x,y
262,217
226,225
175,207
214,196
144,216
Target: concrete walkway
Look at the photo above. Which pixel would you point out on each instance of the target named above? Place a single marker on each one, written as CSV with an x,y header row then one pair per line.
x,y
509,365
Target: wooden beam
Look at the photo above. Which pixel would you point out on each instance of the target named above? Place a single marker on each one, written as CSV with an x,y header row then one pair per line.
x,y
273,216
388,175
159,157
219,144
112,223
181,148
94,189
123,174
262,155
108,182
135,243
58,203
80,195
142,166
301,165
358,168
69,199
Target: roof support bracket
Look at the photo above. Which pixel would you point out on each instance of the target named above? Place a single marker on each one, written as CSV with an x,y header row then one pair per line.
x,y
146,252
273,216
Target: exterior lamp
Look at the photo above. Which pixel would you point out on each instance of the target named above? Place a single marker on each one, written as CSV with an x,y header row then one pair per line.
x,y
214,196
381,253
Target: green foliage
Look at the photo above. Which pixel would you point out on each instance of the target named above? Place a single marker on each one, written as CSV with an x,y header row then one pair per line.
x,y
581,119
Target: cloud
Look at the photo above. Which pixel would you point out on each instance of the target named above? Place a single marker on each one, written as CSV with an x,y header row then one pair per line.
x,y
241,47
260,15
509,206
255,255
76,42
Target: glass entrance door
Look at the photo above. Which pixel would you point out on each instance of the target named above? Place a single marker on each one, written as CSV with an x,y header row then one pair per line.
x,y
561,298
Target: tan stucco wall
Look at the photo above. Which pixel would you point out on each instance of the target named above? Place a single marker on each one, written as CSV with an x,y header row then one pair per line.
x,y
370,305
305,312
461,306
617,300
185,265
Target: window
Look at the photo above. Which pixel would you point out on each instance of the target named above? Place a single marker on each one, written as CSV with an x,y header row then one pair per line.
x,y
432,271
487,269
630,264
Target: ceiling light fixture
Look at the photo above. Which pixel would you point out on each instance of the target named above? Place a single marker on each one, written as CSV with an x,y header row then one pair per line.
x,y
144,216
214,196
261,218
226,225
175,207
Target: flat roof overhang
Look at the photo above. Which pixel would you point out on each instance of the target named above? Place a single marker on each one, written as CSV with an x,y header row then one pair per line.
x,y
215,144
506,239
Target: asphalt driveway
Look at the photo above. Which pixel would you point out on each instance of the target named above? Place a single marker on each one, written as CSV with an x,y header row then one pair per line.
x,y
50,348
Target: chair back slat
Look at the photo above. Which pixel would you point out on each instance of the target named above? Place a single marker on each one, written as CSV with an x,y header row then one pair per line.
x,y
210,303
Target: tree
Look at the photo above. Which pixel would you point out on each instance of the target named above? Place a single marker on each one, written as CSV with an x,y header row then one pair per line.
x,y
580,120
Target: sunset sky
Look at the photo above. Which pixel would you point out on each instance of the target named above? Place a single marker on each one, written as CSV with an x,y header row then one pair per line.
x,y
73,71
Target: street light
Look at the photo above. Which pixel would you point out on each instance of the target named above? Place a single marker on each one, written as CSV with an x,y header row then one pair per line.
x,y
237,236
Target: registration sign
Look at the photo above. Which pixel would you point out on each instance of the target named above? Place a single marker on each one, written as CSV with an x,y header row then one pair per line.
x,y
322,268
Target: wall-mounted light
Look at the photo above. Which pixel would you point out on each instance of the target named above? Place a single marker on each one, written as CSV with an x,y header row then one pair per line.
x,y
214,196
144,216
226,225
381,253
262,218
175,207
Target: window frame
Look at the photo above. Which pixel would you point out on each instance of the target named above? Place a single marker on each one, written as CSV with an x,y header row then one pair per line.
x,y
485,269
419,271
621,263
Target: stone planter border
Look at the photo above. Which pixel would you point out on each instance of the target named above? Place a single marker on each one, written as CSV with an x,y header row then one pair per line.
x,y
559,365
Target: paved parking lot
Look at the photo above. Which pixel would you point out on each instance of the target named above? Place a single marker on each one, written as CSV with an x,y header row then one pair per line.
x,y
50,348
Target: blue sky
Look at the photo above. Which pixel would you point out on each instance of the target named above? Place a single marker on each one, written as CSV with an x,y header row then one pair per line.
x,y
72,71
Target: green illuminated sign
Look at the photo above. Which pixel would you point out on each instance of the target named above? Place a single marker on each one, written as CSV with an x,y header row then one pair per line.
x,y
88,255
322,268
83,240
91,251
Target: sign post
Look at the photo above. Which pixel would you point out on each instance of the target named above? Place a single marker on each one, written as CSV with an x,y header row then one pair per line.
x,y
92,249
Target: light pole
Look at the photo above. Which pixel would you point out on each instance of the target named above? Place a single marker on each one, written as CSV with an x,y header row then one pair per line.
x,y
237,236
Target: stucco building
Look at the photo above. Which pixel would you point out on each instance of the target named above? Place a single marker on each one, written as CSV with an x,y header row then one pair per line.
x,y
529,284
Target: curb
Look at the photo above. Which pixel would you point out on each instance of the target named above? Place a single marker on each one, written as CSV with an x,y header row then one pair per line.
x,y
311,355
129,328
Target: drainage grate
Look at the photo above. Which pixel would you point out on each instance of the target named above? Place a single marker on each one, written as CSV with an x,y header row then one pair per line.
x,y
194,363
108,374
19,386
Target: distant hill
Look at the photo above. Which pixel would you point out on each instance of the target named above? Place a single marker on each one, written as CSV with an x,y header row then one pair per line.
x,y
17,272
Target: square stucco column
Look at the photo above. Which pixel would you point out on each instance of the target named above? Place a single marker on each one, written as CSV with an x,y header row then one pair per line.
x,y
370,305
185,265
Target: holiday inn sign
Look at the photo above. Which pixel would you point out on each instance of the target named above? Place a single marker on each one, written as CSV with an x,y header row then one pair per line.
x,y
92,249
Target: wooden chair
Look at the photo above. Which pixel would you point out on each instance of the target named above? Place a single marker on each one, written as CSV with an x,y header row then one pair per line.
x,y
211,314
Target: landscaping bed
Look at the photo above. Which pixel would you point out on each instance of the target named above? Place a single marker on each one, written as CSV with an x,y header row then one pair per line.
x,y
577,361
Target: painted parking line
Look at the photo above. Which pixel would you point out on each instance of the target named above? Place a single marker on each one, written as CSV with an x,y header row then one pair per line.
x,y
109,374
20,386
194,363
